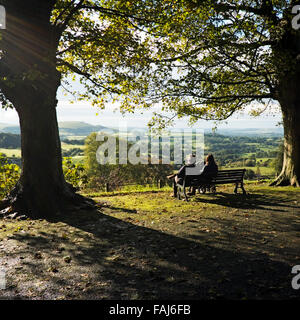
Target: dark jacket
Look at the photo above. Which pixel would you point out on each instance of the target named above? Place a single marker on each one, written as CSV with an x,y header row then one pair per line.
x,y
209,170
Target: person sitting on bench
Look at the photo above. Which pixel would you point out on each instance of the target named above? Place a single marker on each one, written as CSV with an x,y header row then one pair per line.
x,y
180,175
209,171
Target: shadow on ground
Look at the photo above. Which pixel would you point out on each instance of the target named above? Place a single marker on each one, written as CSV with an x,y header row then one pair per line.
x,y
113,259
90,255
249,201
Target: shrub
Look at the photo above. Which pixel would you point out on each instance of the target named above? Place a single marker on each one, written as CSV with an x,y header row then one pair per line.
x,y
119,174
9,175
74,173
250,163
249,174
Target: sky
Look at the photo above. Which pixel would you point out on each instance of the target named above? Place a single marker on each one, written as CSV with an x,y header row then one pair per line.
x,y
84,111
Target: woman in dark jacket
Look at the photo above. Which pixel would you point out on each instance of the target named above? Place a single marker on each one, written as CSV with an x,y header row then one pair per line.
x,y
209,171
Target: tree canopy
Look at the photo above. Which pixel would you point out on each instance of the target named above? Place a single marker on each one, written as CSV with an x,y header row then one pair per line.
x,y
212,58
202,58
205,59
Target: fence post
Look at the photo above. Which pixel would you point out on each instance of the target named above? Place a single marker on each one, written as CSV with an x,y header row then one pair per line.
x,y
107,187
159,184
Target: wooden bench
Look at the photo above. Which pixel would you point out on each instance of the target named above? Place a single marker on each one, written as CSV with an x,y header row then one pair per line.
x,y
234,176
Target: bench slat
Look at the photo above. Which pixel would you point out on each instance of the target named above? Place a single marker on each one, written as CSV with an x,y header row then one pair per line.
x,y
231,170
227,176
227,181
223,177
235,176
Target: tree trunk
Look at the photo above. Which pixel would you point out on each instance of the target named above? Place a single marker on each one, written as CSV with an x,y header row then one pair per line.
x,y
42,190
290,106
29,79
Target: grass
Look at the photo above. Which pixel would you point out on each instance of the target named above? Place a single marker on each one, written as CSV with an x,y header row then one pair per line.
x,y
146,245
11,152
78,159
66,146
265,171
17,152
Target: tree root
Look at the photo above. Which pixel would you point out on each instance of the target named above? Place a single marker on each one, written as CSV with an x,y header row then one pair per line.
x,y
21,204
282,181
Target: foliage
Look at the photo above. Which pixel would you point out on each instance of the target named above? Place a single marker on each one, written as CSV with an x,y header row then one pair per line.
x,y
120,174
73,141
240,151
72,152
74,173
250,163
9,175
204,59
211,58
249,174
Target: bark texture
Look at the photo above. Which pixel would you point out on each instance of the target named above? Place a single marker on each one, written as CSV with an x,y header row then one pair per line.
x,y
290,105
31,82
287,53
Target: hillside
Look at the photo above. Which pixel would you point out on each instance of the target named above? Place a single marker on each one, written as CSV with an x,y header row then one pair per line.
x,y
68,128
252,132
9,128
79,128
247,151
76,128
10,141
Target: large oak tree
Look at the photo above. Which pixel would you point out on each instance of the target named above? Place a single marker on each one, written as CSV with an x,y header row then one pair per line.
x,y
213,58
44,44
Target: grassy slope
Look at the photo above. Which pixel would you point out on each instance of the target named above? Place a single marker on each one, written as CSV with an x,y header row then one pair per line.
x,y
147,245
11,152
265,171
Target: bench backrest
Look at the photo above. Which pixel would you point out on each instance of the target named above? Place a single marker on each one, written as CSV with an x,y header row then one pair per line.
x,y
230,175
223,176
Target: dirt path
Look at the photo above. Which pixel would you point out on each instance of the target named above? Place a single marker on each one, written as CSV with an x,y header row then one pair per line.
x,y
147,246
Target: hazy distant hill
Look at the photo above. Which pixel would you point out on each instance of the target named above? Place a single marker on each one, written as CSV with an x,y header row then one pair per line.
x,y
68,128
9,128
77,128
250,132
10,141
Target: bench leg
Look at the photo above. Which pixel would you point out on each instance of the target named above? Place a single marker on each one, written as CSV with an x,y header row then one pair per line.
x,y
243,189
241,186
178,195
185,195
236,188
178,192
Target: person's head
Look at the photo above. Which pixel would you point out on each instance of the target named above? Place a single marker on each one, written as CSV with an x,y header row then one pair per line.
x,y
190,159
210,159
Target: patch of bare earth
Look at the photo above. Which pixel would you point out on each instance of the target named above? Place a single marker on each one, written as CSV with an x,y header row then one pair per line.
x,y
149,246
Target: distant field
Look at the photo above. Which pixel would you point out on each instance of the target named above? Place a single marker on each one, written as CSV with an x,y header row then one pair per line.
x,y
17,152
78,159
11,152
265,171
75,137
66,146
262,159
